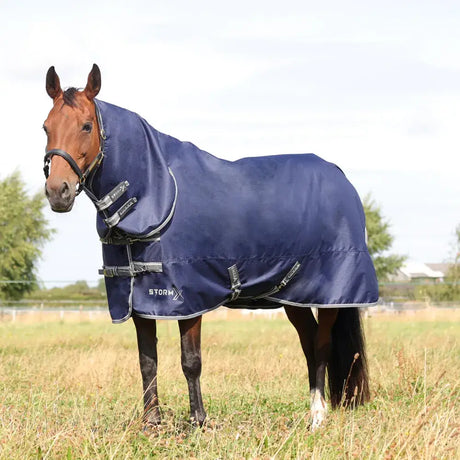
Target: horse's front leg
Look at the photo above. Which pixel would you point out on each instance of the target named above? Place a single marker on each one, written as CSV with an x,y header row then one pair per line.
x,y
190,340
146,330
326,319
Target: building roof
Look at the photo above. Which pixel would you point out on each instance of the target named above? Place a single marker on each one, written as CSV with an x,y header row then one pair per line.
x,y
412,270
441,267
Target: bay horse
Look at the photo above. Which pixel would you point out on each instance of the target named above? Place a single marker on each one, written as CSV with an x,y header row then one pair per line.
x,y
83,136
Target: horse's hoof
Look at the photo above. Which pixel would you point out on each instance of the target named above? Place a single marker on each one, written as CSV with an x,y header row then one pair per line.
x,y
150,429
151,422
197,418
318,411
317,420
198,423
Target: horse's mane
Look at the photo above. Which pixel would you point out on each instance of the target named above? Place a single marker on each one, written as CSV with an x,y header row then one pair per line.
x,y
69,96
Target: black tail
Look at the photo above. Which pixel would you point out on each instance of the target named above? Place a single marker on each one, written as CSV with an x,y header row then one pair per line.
x,y
347,370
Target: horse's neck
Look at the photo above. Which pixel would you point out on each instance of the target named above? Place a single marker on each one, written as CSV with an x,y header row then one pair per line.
x,y
133,155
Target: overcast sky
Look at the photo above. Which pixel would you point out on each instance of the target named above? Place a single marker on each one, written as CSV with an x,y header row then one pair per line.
x,y
372,86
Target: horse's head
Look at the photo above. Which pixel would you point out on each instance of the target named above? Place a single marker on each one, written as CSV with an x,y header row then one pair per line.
x,y
73,138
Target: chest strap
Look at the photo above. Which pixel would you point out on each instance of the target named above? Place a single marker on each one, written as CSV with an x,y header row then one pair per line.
x,y
135,269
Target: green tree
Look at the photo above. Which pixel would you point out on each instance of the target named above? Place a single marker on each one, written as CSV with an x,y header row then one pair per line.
x,y
101,286
380,240
78,291
23,231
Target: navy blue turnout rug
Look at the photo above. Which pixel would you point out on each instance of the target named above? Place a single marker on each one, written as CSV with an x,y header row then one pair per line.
x,y
184,232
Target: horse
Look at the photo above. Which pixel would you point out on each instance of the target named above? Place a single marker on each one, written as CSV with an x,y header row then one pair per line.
x,y
283,230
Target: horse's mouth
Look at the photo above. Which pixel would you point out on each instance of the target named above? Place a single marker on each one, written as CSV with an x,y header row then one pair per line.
x,y
62,207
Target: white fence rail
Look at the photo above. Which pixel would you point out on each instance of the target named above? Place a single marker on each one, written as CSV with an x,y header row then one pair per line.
x,y
70,311
26,314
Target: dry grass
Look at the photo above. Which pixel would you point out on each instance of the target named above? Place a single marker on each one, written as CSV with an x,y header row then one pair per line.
x,y
73,390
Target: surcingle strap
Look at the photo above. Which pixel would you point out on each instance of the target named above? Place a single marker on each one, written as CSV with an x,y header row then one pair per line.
x,y
136,269
290,274
235,282
288,277
112,196
115,218
118,239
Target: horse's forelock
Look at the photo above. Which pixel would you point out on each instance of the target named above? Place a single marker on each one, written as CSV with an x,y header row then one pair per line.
x,y
69,96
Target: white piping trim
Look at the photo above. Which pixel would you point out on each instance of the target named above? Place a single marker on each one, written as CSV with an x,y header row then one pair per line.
x,y
273,299
193,315
130,297
171,213
130,306
321,305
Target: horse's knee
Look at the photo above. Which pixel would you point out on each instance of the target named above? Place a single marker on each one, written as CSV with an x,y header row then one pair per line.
x,y
191,364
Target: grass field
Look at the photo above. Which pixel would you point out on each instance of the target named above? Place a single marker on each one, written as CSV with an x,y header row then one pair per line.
x,y
72,390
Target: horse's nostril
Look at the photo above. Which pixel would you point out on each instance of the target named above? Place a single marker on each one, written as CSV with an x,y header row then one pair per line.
x,y
65,190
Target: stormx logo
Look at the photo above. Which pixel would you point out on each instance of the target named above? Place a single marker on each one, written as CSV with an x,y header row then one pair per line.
x,y
174,293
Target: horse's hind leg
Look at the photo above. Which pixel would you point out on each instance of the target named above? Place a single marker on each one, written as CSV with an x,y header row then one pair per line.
x,y
315,339
147,345
190,340
306,327
323,342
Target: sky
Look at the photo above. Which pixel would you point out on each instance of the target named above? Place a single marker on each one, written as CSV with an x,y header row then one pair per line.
x,y
372,86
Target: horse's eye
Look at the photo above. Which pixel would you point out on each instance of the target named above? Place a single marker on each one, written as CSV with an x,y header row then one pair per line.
x,y
44,129
87,127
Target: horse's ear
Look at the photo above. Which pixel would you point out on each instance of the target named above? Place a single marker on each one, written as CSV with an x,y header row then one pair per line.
x,y
53,85
94,83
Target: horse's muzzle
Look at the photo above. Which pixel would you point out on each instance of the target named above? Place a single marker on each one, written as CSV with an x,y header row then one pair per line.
x,y
61,196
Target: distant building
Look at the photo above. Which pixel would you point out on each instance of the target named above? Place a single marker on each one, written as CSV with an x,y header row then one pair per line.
x,y
419,272
443,267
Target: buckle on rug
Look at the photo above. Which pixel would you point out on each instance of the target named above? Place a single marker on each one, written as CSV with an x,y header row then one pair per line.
x,y
112,196
235,280
136,268
118,215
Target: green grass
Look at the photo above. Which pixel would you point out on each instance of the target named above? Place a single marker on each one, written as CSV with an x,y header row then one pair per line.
x,y
73,391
